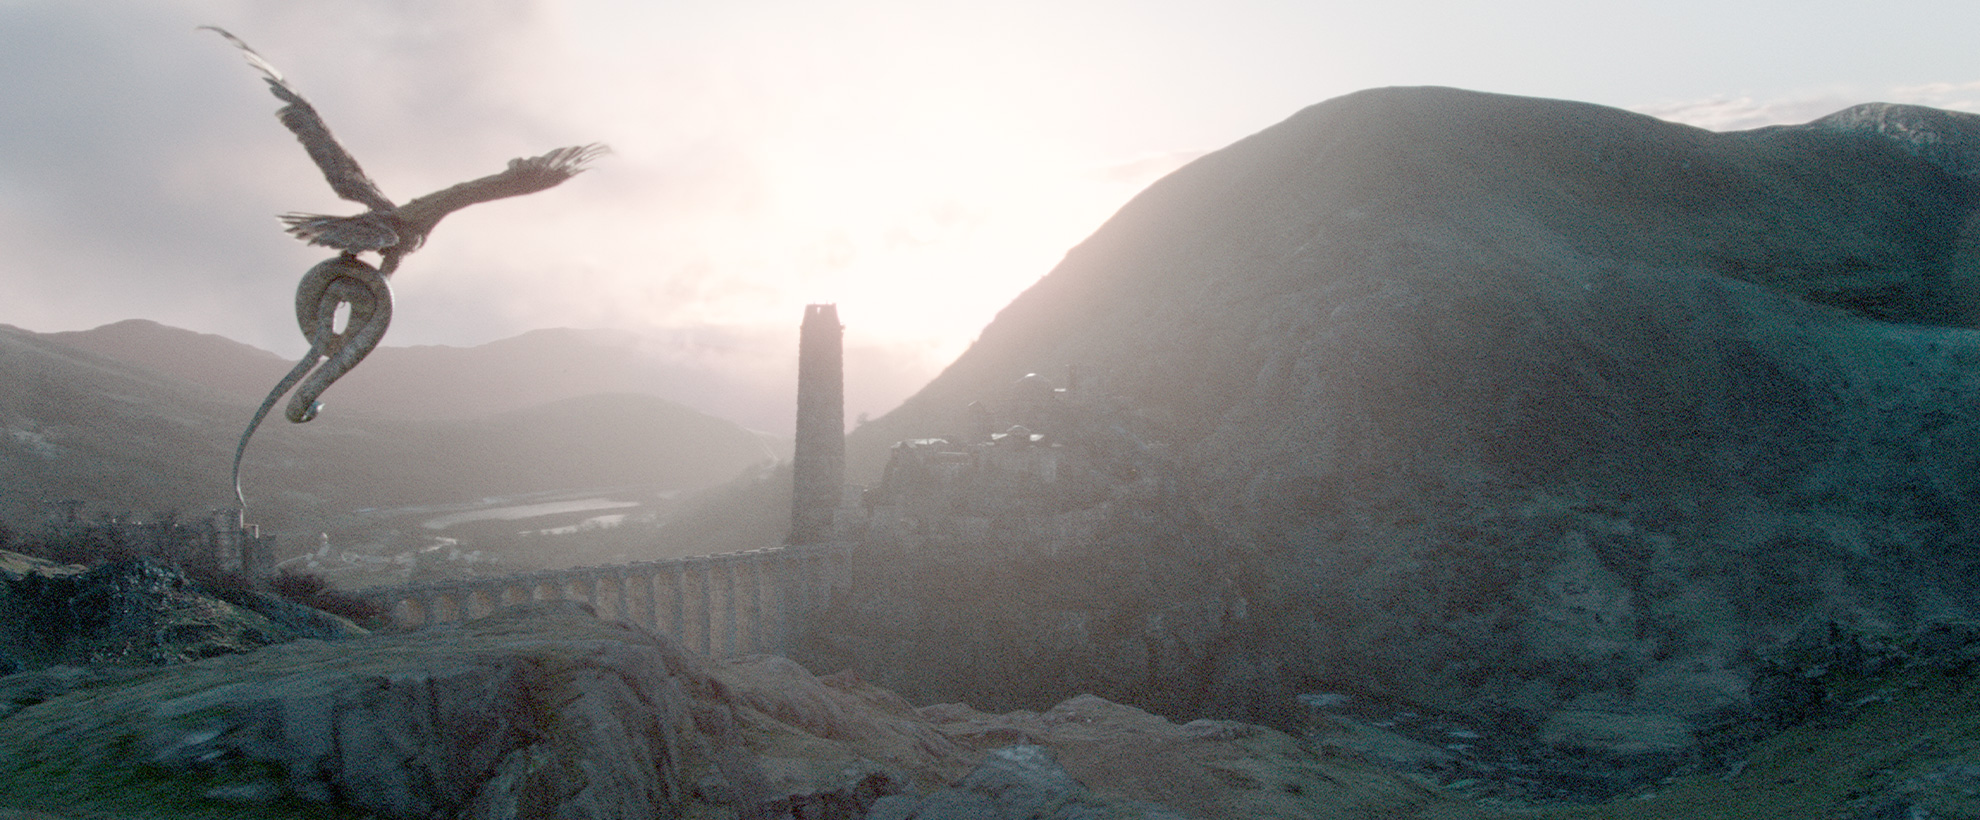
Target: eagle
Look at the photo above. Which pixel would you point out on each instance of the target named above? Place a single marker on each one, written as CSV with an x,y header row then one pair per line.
x,y
393,230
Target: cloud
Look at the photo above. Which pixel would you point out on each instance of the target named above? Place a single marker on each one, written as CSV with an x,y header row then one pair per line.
x,y
141,169
1948,95
757,166
1738,113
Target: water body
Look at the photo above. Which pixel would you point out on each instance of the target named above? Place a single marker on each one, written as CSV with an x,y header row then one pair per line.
x,y
526,511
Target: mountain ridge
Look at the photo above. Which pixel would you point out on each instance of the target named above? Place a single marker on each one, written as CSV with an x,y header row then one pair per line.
x,y
449,382
742,374
134,437
1495,406
1645,183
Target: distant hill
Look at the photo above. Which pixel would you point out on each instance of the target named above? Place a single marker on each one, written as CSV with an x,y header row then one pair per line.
x,y
743,381
77,425
233,369
154,429
746,376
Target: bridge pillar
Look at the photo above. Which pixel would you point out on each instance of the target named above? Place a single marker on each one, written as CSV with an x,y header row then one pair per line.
x,y
722,614
706,576
488,598
780,607
813,574
453,603
640,595
677,602
654,599
838,572
621,607
759,565
753,602
401,609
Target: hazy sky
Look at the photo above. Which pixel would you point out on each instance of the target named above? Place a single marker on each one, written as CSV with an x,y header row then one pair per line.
x,y
917,162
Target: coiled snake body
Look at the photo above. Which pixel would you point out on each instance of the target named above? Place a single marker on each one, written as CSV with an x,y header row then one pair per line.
x,y
341,280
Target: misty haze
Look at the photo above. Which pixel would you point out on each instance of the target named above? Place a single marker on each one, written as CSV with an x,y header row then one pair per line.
x,y
918,414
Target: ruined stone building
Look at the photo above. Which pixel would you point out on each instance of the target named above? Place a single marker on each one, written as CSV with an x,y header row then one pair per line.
x,y
1059,463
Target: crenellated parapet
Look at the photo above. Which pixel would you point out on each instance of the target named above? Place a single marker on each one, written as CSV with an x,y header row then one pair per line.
x,y
734,603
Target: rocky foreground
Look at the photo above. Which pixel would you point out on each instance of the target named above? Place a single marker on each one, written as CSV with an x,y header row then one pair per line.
x,y
544,710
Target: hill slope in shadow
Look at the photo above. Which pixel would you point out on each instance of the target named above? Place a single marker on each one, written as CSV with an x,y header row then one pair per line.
x,y
1518,409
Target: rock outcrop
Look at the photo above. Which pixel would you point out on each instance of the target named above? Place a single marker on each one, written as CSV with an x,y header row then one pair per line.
x,y
543,710
539,712
1548,416
138,612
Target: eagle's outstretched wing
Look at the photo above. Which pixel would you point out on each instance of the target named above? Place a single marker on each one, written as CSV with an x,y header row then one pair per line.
x,y
524,176
342,171
368,231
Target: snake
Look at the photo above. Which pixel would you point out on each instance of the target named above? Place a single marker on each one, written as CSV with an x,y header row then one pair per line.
x,y
340,280
391,230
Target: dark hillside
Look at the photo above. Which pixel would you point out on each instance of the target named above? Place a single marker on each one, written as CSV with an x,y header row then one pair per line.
x,y
77,425
1512,408
1180,299
230,368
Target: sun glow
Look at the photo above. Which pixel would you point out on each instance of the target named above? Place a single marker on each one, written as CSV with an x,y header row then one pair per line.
x,y
751,182
926,234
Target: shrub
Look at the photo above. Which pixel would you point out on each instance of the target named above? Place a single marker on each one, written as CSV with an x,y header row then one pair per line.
x,y
315,591
89,547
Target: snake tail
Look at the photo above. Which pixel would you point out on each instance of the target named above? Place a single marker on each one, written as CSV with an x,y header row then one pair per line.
x,y
340,280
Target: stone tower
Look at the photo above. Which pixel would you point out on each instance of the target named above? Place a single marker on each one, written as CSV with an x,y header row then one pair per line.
x,y
818,466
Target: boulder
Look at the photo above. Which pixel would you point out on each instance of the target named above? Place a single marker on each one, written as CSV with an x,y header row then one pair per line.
x,y
1134,761
1015,783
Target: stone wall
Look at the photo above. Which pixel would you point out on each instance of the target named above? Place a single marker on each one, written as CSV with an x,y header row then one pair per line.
x,y
720,605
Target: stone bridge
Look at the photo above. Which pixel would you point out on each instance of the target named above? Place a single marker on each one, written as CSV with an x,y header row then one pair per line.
x,y
723,605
